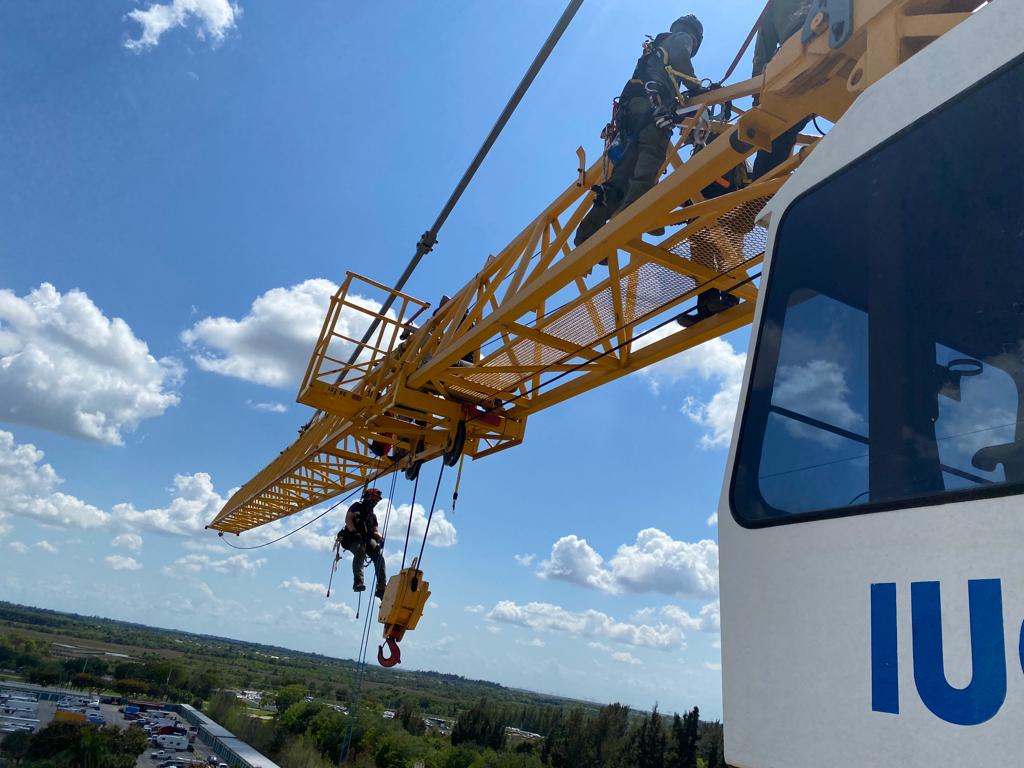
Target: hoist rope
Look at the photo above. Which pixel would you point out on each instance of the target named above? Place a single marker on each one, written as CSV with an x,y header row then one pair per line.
x,y
412,508
433,505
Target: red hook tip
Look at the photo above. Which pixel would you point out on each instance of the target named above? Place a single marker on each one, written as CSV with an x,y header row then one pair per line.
x,y
396,653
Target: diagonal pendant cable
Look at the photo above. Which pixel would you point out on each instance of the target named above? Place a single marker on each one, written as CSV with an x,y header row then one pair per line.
x,y
429,238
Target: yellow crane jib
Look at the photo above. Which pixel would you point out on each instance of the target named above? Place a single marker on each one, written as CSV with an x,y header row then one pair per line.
x,y
400,610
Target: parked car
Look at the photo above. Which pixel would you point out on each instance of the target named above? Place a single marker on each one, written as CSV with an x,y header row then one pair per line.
x,y
159,754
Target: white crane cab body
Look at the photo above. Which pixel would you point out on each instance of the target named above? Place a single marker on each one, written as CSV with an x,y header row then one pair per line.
x,y
872,521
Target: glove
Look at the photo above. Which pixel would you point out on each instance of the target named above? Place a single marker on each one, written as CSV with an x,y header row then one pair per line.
x,y
665,116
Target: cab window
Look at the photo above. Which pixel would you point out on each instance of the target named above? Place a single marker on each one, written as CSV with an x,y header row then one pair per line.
x,y
889,370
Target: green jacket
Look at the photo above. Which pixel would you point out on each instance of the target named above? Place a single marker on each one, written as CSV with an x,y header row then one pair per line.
x,y
784,19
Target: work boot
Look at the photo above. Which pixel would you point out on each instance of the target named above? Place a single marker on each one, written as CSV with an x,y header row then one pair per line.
x,y
358,587
596,218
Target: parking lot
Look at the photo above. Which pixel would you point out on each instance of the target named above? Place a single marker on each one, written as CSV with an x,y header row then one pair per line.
x,y
115,718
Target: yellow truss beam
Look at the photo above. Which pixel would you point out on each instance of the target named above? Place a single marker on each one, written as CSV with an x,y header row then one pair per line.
x,y
542,322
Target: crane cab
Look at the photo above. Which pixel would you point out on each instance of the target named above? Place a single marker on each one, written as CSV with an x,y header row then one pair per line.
x,y
872,522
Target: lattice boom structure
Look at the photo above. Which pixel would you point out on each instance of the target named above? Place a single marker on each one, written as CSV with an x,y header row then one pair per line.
x,y
543,321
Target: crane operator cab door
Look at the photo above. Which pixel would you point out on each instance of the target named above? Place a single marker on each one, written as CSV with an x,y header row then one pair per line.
x,y
872,524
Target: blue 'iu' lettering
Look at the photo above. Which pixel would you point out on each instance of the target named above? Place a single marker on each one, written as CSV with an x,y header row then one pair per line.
x,y
984,695
885,686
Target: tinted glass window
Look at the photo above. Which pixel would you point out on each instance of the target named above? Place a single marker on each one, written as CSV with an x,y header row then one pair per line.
x,y
890,365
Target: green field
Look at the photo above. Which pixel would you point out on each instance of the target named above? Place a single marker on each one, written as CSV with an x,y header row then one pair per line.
x,y
137,661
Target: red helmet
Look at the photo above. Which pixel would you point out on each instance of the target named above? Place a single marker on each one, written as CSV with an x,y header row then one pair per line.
x,y
374,492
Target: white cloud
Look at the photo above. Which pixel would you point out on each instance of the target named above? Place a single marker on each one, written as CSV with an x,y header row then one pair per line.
x,y
534,643
296,585
195,503
709,619
573,559
5,528
626,657
713,361
271,344
655,563
46,546
28,488
713,520
590,623
18,547
66,367
525,560
267,407
233,564
474,609
213,18
442,532
122,563
712,666
130,541
817,389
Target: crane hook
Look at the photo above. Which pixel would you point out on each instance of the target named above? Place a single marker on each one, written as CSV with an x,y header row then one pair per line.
x,y
396,653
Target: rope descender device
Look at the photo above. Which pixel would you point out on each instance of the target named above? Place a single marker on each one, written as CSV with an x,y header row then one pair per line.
x,y
400,610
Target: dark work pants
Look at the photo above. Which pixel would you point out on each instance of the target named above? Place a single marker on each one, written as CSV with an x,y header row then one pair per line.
x,y
636,173
360,551
782,148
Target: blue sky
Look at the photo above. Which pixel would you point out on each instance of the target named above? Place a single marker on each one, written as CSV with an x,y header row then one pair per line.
x,y
182,189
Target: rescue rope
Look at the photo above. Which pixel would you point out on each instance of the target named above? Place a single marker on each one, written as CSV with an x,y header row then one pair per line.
x,y
458,482
304,525
748,41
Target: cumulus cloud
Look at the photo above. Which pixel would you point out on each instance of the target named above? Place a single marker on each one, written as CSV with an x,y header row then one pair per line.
x,y
296,585
271,344
46,546
193,505
714,361
590,623
212,19
713,520
66,367
654,563
28,488
525,560
233,564
709,619
817,389
131,541
122,563
474,609
442,532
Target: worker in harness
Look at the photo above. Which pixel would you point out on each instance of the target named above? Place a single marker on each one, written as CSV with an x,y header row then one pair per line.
x,y
783,20
664,68
361,536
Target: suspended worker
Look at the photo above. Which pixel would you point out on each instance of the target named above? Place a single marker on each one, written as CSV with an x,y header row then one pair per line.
x,y
784,19
653,91
361,536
